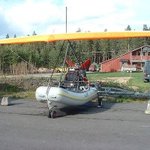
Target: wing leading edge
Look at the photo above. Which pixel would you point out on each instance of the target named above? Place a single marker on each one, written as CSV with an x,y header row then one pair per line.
x,y
75,36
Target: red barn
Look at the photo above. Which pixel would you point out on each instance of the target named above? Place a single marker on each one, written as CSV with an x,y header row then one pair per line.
x,y
132,59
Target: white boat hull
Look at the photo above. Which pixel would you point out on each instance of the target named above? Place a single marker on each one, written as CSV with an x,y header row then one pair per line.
x,y
61,96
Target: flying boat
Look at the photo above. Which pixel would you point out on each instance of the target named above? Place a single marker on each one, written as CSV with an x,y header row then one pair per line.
x,y
73,88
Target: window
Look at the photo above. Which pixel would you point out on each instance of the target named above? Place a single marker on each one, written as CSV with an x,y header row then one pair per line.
x,y
138,53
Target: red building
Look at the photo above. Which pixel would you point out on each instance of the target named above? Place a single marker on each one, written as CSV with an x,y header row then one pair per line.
x,y
132,59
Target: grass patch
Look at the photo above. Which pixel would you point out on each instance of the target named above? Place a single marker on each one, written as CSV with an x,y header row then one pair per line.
x,y
135,82
24,95
19,95
15,91
5,87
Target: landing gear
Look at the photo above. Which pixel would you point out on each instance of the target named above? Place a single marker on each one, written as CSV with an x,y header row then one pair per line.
x,y
54,110
52,114
99,100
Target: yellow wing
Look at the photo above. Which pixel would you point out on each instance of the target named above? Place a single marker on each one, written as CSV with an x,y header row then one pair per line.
x,y
75,36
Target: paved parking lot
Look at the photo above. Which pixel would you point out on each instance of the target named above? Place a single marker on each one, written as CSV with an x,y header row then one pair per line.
x,y
24,125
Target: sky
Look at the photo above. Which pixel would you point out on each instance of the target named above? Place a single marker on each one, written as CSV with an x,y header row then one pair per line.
x,y
23,17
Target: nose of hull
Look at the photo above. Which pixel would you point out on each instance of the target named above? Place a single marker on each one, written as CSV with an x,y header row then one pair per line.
x,y
40,94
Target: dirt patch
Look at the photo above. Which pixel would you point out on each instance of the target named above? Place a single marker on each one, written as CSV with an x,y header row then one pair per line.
x,y
121,80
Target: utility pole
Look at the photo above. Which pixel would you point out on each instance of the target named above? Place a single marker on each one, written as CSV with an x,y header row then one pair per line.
x,y
66,19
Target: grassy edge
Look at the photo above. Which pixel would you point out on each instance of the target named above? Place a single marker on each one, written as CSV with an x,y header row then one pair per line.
x,y
19,95
96,76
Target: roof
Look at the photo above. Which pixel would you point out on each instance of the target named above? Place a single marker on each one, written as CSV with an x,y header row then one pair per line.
x,y
125,53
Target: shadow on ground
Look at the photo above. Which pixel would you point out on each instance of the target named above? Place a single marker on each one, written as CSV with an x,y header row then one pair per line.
x,y
89,108
32,107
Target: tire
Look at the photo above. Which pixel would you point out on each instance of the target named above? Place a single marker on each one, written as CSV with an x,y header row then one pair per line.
x,y
53,114
49,114
146,80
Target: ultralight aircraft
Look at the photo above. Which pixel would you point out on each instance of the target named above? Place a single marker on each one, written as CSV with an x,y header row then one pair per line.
x,y
74,89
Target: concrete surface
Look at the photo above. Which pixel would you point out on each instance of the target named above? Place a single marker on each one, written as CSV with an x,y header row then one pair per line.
x,y
25,126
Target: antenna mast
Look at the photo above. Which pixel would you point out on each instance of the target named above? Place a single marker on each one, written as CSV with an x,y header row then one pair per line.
x,y
66,19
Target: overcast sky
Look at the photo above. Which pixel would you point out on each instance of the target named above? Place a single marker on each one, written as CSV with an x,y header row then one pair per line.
x,y
22,17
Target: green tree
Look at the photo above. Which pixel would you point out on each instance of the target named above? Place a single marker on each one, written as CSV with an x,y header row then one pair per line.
x,y
7,36
34,33
128,28
145,27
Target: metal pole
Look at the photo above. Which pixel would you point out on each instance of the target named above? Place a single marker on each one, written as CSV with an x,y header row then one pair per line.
x,y
66,19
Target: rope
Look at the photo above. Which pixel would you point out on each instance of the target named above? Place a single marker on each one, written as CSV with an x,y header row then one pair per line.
x,y
50,79
73,51
31,65
59,55
64,63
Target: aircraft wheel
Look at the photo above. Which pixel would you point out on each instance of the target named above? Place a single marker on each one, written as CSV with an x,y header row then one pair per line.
x,y
49,114
53,114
